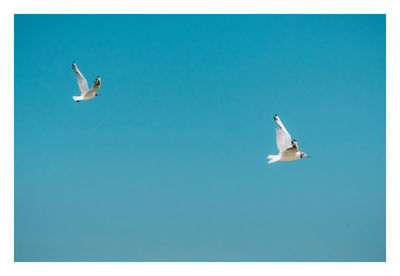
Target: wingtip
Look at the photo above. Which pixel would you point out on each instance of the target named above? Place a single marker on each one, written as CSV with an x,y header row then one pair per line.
x,y
276,115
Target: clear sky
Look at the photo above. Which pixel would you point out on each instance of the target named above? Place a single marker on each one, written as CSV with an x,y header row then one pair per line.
x,y
169,163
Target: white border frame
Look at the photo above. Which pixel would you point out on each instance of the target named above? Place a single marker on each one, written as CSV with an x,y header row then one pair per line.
x,y
8,267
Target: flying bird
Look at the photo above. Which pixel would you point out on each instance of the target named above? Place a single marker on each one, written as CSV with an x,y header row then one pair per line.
x,y
288,149
86,93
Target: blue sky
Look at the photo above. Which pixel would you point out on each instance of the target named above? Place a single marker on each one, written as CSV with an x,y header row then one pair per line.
x,y
169,163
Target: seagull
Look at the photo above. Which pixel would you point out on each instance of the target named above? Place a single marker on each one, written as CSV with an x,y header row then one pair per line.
x,y
288,149
86,93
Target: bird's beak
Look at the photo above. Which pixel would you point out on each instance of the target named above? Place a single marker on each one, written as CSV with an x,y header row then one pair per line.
x,y
97,94
308,155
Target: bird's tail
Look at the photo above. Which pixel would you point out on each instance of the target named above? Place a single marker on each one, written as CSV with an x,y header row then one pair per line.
x,y
273,158
76,98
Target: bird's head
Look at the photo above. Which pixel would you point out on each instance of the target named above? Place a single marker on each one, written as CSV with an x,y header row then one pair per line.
x,y
303,154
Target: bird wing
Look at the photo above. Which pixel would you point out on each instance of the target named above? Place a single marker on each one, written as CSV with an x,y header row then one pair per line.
x,y
283,139
97,84
82,82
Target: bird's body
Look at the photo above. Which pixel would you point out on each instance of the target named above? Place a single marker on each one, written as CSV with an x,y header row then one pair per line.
x,y
290,155
86,93
288,149
87,96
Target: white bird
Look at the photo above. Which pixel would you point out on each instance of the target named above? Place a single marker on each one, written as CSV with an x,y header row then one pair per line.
x,y
288,149
86,93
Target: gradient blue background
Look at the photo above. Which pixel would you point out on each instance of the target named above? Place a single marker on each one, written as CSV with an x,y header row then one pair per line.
x,y
169,163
